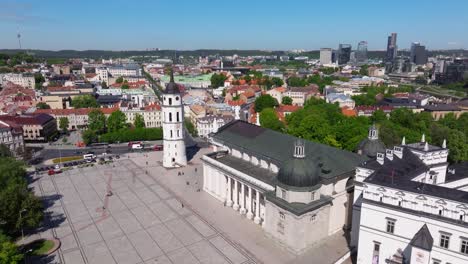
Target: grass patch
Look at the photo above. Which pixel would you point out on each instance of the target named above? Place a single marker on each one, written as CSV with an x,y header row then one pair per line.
x,y
66,159
39,247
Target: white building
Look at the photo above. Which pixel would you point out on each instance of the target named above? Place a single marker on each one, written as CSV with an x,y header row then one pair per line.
x,y
296,191
210,124
340,98
410,206
173,126
12,137
25,80
326,56
151,114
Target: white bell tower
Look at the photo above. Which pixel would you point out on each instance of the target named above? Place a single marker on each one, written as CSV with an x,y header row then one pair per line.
x,y
174,154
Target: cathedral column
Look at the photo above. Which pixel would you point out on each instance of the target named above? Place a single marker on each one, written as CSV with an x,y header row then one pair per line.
x,y
249,203
236,196
242,199
257,218
229,194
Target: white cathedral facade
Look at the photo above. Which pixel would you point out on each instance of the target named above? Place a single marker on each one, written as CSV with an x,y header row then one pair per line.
x,y
174,152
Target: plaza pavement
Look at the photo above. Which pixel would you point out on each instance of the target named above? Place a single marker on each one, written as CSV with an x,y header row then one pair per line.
x,y
153,216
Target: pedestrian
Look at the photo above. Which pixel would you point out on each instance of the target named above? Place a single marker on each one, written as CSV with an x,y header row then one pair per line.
x,y
182,205
182,173
178,174
195,169
147,163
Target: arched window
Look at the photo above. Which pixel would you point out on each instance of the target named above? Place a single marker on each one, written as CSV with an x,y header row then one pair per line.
x,y
170,101
170,117
171,134
178,133
178,117
177,98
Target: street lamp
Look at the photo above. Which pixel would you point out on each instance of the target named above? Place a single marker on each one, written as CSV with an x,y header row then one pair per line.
x,y
21,221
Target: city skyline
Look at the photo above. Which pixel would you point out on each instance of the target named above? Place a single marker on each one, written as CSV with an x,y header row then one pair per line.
x,y
186,25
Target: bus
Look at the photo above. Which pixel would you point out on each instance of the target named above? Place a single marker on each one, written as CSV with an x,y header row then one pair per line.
x,y
89,157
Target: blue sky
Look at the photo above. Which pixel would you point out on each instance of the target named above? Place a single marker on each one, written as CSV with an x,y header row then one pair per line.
x,y
240,24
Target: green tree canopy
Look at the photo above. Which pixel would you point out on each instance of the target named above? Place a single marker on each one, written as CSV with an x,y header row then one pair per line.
x,y
4,151
89,136
277,82
63,123
217,80
286,100
139,121
9,252
84,101
97,121
265,101
42,105
190,127
116,121
120,80
269,119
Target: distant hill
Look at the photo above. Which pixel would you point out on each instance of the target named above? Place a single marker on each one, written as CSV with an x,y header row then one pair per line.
x,y
105,54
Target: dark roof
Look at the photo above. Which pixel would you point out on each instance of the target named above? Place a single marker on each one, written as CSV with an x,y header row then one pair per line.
x,y
370,147
441,107
299,172
108,98
457,172
423,239
277,147
30,119
172,87
398,173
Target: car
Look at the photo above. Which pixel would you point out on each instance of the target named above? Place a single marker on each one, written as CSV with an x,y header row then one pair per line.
x,y
110,158
78,152
158,147
117,156
51,172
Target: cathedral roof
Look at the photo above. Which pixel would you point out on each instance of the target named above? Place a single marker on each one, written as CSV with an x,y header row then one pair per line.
x,y
273,146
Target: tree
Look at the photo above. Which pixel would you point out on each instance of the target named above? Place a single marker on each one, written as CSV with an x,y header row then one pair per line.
x,y
125,85
84,101
265,101
269,119
5,151
104,85
9,252
38,78
116,121
120,80
139,121
297,82
96,121
217,80
286,100
63,123
89,136
277,82
42,105
19,208
190,127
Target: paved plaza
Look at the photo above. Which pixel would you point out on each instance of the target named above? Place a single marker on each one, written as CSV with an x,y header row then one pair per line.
x,y
141,222
153,216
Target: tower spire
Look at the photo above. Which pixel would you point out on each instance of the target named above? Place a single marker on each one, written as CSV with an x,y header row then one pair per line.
x,y
172,75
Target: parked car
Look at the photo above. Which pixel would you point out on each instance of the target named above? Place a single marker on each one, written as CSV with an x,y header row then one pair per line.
x,y
51,172
158,147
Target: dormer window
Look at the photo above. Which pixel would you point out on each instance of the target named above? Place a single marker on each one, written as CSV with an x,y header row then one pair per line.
x,y
283,194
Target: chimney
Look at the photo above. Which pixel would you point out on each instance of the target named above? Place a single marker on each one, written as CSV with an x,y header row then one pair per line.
x,y
403,141
380,158
398,151
423,138
258,119
389,154
444,144
426,147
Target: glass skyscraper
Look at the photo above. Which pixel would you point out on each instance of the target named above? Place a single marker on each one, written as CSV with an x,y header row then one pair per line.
x,y
392,48
344,53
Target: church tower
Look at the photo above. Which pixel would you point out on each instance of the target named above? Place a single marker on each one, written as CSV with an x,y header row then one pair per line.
x,y
173,126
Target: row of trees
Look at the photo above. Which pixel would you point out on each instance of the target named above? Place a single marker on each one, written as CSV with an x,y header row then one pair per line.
x,y
84,101
324,123
19,208
321,81
115,124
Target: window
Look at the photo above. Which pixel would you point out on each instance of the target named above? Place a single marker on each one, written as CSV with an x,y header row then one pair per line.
x,y
390,226
436,261
312,196
464,246
313,217
170,117
177,98
282,216
171,133
444,240
178,117
170,101
283,194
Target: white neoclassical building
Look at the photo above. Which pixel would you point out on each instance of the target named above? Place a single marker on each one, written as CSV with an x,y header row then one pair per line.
x,y
296,190
411,206
173,127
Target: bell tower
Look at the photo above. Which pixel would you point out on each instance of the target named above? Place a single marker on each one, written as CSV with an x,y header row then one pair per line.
x,y
174,154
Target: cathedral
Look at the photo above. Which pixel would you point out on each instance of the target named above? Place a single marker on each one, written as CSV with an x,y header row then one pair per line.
x,y
298,191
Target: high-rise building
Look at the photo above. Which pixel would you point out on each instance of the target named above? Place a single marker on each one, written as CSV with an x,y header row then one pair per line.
x,y
361,52
173,126
344,53
418,53
392,47
326,56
